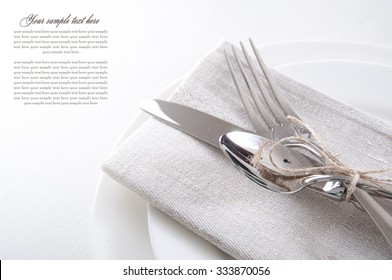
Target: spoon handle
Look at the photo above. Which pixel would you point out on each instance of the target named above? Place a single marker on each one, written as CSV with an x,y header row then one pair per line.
x,y
335,186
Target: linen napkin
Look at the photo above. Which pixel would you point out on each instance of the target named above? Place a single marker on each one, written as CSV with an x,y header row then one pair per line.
x,y
195,184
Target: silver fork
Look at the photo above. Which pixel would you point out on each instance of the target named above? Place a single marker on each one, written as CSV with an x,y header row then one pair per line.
x,y
274,125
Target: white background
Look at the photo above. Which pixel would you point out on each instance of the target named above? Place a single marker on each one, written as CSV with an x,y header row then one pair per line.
x,y
50,157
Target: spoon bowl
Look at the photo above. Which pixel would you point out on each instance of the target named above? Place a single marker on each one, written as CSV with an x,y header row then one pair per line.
x,y
241,147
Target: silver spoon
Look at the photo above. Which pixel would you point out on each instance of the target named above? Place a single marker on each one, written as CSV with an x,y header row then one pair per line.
x,y
240,147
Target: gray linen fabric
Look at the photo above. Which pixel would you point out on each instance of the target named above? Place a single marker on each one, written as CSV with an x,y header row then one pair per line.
x,y
195,184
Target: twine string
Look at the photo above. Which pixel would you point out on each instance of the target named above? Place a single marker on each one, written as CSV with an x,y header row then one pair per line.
x,y
331,164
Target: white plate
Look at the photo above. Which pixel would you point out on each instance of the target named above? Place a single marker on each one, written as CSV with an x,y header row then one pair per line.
x,y
355,73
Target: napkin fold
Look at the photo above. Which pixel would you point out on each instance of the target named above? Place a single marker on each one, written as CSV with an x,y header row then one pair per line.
x,y
195,184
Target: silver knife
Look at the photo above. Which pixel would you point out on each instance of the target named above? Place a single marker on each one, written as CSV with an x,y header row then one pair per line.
x,y
215,131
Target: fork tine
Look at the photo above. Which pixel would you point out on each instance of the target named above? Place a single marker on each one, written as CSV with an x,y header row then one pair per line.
x,y
260,106
275,90
264,114
245,101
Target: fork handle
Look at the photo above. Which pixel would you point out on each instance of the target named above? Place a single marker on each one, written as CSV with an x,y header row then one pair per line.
x,y
336,189
380,217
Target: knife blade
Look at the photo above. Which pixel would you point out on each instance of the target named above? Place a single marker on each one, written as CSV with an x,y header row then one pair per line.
x,y
196,123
